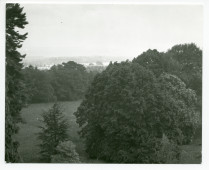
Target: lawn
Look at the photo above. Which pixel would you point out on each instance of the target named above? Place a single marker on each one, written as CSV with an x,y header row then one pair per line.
x,y
192,154
27,136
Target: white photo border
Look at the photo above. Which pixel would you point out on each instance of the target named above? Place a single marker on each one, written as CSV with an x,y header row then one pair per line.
x,y
205,104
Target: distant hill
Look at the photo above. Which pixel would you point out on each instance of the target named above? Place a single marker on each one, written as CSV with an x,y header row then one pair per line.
x,y
47,62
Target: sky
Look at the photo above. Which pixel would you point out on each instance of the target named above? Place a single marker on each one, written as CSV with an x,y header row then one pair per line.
x,y
109,30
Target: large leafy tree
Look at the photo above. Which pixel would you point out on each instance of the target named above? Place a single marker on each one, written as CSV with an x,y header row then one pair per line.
x,y
189,56
127,110
177,105
183,60
38,85
69,80
152,60
15,19
63,82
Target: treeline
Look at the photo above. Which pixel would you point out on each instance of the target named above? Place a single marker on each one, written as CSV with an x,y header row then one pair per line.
x,y
140,111
63,82
184,61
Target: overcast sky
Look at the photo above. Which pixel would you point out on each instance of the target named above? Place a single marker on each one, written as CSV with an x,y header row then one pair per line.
x,y
109,30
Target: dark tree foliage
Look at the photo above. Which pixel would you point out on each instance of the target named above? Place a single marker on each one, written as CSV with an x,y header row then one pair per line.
x,y
184,61
179,103
38,85
128,109
66,153
15,99
64,82
187,54
70,81
189,57
53,131
152,60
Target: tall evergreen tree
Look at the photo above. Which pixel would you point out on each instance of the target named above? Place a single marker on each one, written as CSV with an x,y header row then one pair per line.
x,y
15,18
53,131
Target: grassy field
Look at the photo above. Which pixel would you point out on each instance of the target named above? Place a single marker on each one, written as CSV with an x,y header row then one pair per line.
x,y
27,136
192,154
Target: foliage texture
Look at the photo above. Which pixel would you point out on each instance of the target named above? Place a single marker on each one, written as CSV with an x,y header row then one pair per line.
x,y
53,131
128,109
15,98
66,153
64,82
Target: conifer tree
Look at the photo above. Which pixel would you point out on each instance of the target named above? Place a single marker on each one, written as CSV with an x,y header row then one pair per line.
x,y
53,131
15,99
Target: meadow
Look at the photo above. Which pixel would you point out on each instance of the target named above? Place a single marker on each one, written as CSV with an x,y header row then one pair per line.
x,y
27,135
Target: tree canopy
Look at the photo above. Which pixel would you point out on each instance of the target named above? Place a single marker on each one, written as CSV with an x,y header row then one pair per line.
x,y
130,106
38,85
64,82
15,98
183,60
69,80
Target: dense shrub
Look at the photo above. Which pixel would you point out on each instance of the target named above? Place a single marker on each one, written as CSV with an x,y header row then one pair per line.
x,y
127,110
169,151
65,153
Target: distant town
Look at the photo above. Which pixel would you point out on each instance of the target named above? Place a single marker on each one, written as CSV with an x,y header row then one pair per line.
x,y
45,63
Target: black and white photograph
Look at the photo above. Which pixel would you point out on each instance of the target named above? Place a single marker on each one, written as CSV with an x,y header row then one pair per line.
x,y
103,83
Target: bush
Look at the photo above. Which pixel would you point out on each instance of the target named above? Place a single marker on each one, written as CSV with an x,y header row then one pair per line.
x,y
66,153
169,151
